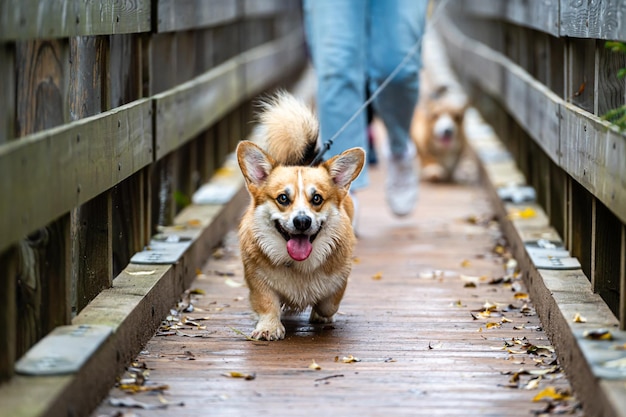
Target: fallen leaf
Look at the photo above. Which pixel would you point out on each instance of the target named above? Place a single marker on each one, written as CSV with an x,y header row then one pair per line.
x,y
469,279
551,393
598,334
492,325
377,276
579,319
232,283
315,366
197,291
465,263
135,388
235,374
348,359
533,383
521,296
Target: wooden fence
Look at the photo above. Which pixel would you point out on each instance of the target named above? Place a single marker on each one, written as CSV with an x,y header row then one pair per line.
x,y
540,73
112,113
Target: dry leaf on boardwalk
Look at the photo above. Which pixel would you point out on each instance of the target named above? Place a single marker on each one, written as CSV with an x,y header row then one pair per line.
x,y
235,374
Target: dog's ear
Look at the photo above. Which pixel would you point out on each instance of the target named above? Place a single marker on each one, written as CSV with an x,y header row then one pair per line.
x,y
254,162
345,167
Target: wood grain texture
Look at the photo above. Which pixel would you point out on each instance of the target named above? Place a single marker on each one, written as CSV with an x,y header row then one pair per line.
x,y
185,111
7,100
594,154
591,19
69,165
179,15
30,19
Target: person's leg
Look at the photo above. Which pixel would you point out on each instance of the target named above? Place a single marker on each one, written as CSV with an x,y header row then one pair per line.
x,y
396,29
337,36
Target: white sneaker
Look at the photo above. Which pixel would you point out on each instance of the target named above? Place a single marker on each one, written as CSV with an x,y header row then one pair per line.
x,y
402,182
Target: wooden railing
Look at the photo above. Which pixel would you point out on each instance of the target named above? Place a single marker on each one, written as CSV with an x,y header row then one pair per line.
x,y
540,73
112,113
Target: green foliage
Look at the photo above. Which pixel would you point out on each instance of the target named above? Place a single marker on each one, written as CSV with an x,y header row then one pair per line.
x,y
617,116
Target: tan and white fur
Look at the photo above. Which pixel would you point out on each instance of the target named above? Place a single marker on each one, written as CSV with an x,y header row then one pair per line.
x,y
296,236
437,125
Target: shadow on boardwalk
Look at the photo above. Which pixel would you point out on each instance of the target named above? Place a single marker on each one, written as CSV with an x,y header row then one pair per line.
x,y
437,326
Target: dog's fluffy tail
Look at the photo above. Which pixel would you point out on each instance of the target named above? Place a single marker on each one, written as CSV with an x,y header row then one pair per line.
x,y
288,130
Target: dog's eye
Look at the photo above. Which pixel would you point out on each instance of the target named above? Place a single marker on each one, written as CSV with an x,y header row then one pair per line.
x,y
282,199
317,199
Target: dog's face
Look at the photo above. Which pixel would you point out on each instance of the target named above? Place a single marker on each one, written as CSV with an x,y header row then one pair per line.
x,y
298,211
445,123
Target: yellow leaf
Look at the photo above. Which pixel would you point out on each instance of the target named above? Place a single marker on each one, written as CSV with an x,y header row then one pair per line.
x,y
492,325
526,213
234,374
505,320
350,359
134,388
465,263
377,276
314,366
521,296
489,306
197,291
598,334
579,319
551,393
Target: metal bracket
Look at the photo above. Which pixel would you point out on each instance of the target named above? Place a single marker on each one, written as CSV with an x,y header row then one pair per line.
x,y
547,254
63,351
163,250
517,194
606,361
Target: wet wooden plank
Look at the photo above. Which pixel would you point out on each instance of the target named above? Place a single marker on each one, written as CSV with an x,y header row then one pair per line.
x,y
20,19
86,157
412,327
176,15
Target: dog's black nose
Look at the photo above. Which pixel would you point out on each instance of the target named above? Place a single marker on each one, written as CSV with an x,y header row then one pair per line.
x,y
302,222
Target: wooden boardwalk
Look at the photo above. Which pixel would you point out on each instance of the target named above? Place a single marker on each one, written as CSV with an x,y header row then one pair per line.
x,y
430,314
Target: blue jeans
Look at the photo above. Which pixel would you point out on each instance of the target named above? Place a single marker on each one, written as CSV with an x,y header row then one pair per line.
x,y
355,43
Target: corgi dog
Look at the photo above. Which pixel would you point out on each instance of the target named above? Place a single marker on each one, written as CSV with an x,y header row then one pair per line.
x,y
437,131
296,236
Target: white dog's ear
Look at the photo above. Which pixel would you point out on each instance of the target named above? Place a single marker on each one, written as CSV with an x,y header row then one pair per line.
x,y
254,162
345,167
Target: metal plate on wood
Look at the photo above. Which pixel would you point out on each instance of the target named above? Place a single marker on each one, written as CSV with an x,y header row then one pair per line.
x,y
63,351
161,252
606,357
494,155
549,254
517,194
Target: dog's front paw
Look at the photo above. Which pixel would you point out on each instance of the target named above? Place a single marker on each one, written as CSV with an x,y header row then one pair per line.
x,y
317,318
434,173
268,329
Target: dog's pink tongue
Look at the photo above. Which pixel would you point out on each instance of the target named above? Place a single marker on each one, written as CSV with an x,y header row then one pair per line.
x,y
299,247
